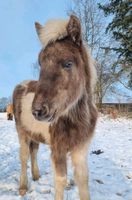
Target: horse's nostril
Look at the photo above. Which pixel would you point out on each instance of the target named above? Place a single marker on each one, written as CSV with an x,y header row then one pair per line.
x,y
37,113
41,113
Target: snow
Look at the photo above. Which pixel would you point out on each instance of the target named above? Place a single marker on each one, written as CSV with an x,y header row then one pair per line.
x,y
110,172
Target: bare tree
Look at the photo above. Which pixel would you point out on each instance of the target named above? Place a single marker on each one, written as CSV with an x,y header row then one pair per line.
x,y
93,29
107,76
91,19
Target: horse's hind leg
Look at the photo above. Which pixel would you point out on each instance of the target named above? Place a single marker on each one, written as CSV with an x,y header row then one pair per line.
x,y
33,152
79,160
24,155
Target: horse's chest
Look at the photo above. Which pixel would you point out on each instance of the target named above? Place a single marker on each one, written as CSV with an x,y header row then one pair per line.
x,y
38,130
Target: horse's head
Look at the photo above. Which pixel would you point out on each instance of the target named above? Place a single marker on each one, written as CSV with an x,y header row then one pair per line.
x,y
62,74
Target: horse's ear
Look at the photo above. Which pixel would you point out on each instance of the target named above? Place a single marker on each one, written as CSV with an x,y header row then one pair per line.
x,y
74,30
38,28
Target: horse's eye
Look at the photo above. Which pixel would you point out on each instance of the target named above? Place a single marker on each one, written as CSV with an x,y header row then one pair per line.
x,y
68,64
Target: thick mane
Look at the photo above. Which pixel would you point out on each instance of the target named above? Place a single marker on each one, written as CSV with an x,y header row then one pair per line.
x,y
52,31
92,70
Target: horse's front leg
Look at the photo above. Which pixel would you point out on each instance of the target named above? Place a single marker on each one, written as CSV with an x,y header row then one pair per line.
x,y
79,160
24,156
60,174
33,152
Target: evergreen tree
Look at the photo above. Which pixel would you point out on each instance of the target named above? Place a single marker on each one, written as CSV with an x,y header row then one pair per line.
x,y
121,26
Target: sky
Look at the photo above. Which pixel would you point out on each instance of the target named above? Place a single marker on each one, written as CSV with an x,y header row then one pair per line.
x,y
19,44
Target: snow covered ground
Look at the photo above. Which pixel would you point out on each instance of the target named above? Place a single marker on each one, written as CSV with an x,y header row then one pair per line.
x,y
110,171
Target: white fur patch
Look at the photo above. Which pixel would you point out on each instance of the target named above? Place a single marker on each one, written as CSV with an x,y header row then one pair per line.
x,y
28,120
52,31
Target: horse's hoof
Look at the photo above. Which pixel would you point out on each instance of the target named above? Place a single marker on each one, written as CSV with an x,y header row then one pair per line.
x,y
22,192
35,178
70,184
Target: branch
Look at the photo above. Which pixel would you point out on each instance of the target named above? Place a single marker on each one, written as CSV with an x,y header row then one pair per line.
x,y
124,84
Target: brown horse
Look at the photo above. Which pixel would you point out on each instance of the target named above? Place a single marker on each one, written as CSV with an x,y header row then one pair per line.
x,y
58,109
9,110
